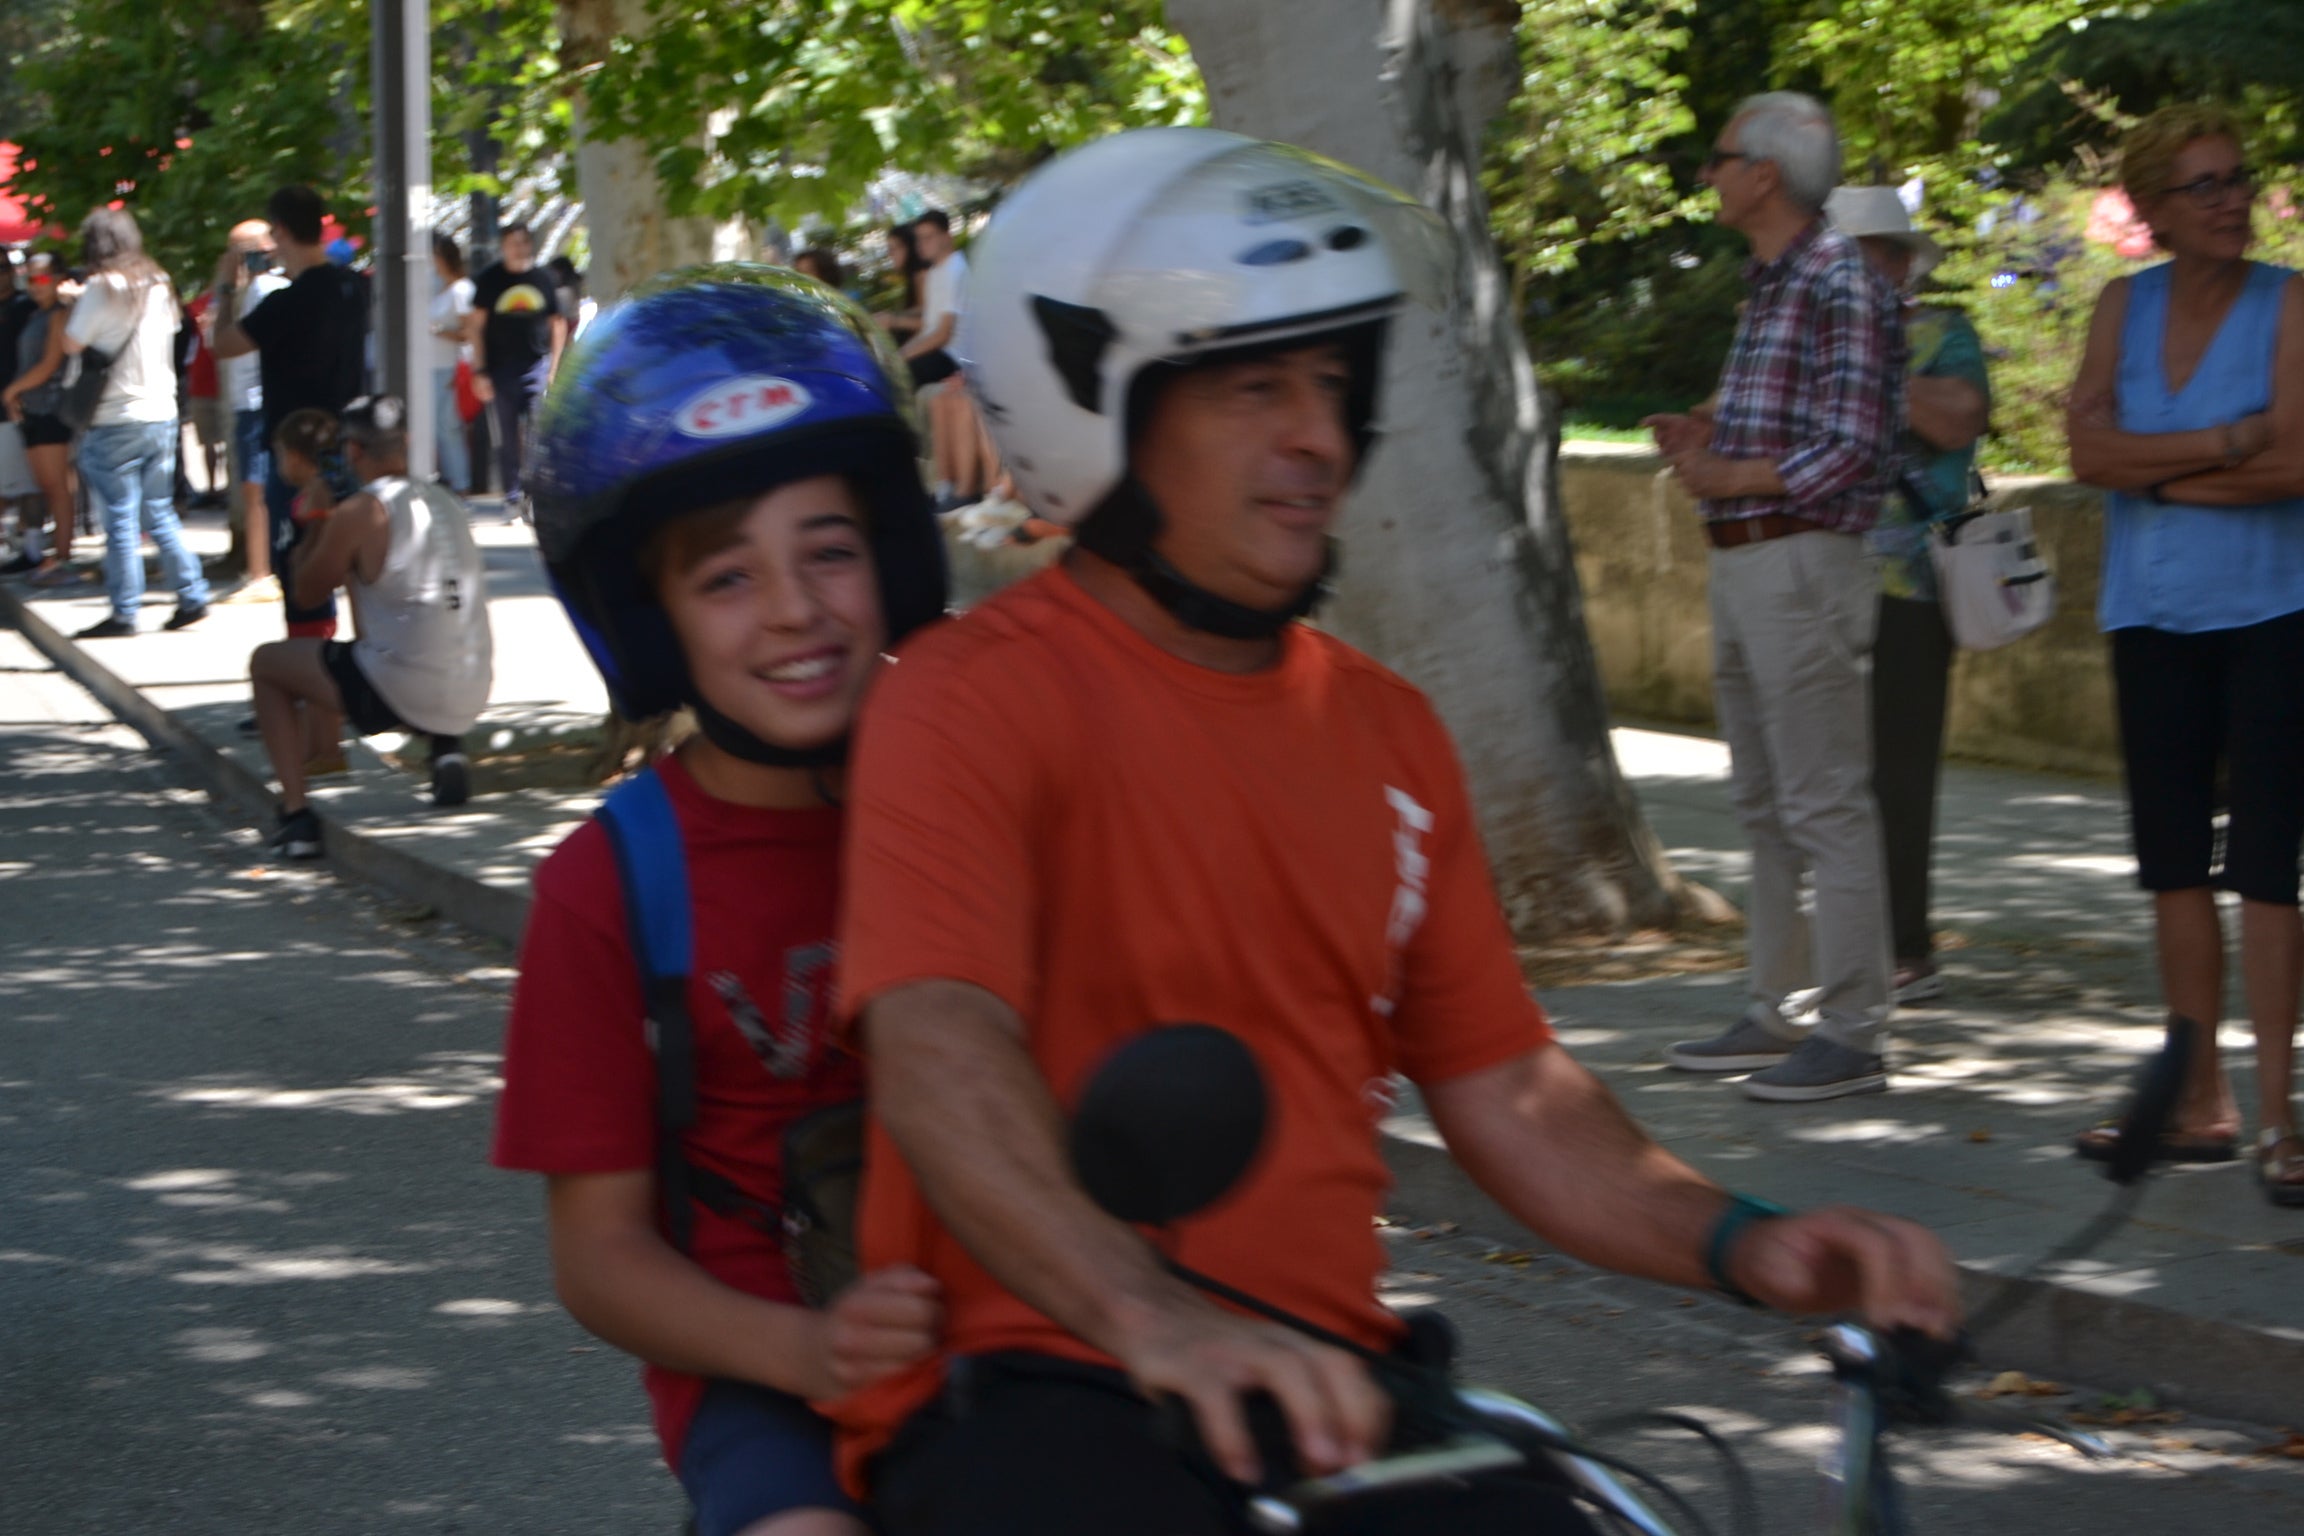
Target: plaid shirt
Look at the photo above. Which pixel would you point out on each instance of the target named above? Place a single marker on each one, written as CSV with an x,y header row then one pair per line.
x,y
1815,383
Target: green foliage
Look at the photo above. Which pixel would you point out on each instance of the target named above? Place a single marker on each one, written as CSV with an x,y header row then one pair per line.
x,y
790,108
191,112
2005,115
1578,159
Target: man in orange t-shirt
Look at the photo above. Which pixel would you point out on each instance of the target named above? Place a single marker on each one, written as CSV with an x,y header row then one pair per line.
x,y
1133,790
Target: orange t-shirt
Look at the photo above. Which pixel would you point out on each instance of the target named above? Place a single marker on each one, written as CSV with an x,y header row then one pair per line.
x,y
1104,836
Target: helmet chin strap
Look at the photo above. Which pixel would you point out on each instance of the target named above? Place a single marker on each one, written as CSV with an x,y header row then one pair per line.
x,y
1122,530
736,741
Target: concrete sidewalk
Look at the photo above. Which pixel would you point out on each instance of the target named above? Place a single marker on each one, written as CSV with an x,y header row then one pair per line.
x,y
2050,999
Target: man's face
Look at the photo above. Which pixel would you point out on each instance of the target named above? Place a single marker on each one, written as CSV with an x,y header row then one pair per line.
x,y
1247,463
1741,184
935,244
519,251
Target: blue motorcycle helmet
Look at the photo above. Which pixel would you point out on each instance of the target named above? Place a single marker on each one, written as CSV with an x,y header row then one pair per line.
x,y
708,384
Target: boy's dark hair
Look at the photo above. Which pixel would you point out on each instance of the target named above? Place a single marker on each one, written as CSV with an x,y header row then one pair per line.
x,y
564,272
937,217
517,227
825,263
378,425
309,433
297,210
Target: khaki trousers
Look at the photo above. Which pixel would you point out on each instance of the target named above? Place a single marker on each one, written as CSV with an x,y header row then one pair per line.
x,y
1793,621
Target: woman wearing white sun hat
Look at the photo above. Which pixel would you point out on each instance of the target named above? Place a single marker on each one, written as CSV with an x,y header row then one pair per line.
x,y
1948,403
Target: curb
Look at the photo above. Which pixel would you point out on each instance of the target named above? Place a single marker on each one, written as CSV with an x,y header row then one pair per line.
x,y
2223,1369
500,914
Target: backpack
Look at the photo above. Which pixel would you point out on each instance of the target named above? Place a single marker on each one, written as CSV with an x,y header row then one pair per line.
x,y
813,1218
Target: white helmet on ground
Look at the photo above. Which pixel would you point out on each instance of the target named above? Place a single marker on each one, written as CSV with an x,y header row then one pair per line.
x,y
1170,246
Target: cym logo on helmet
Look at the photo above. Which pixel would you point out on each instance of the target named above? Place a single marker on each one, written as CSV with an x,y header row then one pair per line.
x,y
753,403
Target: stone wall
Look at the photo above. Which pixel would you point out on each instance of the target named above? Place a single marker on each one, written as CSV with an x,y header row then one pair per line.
x,y
2044,702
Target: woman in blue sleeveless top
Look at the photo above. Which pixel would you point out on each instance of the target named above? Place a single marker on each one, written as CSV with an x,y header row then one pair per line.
x,y
2189,410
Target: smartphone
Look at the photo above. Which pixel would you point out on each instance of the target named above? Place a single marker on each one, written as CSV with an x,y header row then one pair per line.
x,y
257,262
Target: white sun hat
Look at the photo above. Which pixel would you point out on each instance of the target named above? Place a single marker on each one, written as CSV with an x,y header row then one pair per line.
x,y
1861,212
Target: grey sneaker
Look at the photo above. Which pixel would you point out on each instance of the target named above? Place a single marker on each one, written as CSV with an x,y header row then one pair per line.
x,y
1745,1047
1819,1069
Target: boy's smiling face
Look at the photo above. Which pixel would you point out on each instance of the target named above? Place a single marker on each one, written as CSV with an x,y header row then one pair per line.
x,y
780,617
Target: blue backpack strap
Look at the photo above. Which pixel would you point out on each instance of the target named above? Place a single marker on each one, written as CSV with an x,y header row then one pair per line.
x,y
658,914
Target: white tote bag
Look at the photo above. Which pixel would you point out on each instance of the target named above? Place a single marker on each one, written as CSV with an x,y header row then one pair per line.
x,y
1990,578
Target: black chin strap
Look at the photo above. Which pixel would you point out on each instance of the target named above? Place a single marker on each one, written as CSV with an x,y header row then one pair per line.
x,y
736,741
1121,531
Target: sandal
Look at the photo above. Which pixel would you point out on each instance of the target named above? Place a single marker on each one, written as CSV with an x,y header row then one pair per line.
x,y
2280,1166
2097,1143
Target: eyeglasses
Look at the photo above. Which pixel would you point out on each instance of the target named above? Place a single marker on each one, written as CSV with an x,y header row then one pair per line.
x,y
1721,157
2208,191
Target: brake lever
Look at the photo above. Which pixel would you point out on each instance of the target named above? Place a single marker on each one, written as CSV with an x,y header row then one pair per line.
x,y
1903,1371
1908,1381
2094,1447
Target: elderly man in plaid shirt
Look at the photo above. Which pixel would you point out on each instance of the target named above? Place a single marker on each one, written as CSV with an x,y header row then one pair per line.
x,y
1789,460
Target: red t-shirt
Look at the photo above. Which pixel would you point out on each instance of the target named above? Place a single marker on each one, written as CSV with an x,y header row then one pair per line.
x,y
200,378
1105,836
579,1080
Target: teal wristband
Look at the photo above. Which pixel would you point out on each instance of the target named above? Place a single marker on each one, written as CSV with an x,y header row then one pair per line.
x,y
1742,1212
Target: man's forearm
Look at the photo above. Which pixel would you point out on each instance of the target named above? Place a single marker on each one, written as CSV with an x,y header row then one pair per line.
x,y
974,1118
1547,1141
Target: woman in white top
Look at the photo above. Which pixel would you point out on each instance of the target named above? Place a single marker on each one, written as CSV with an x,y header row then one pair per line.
x,y
451,302
128,454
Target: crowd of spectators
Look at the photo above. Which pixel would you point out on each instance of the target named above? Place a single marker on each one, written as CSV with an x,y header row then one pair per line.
x,y
1841,435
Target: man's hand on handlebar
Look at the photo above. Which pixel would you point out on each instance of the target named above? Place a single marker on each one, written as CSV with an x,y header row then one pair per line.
x,y
1892,1272
1185,1347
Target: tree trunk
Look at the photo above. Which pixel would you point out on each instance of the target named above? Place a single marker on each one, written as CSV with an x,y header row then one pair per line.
x,y
1457,570
631,235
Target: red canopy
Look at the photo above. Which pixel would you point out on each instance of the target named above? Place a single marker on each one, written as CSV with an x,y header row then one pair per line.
x,y
16,221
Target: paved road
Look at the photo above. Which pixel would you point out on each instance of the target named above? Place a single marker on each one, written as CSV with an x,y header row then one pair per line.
x,y
255,1276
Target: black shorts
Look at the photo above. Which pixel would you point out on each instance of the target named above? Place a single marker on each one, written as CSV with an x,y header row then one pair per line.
x,y
932,368
1023,1442
2191,705
44,431
363,705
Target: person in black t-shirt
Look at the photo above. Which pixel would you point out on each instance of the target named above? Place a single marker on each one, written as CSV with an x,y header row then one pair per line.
x,y
517,329
310,339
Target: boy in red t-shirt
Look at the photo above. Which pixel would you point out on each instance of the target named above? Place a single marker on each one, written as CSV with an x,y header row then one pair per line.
x,y
728,502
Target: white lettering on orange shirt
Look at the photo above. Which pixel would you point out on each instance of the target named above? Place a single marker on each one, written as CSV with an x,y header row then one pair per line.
x,y
1414,870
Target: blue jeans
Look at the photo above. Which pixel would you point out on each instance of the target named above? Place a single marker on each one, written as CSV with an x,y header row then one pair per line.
x,y
130,468
448,430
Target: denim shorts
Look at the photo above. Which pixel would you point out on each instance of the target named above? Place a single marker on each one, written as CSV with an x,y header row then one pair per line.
x,y
753,1452
251,449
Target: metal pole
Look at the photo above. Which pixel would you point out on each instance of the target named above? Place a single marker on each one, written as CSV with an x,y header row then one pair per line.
x,y
402,59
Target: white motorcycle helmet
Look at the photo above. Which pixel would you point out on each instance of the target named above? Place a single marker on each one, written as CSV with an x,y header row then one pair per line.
x,y
1148,252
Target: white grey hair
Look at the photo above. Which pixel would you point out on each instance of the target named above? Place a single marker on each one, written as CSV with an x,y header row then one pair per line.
x,y
1796,133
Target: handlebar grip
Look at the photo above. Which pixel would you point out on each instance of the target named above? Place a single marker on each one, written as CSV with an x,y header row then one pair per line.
x,y
1267,1428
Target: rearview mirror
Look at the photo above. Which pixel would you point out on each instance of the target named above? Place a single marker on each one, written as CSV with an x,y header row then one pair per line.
x,y
1170,1124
